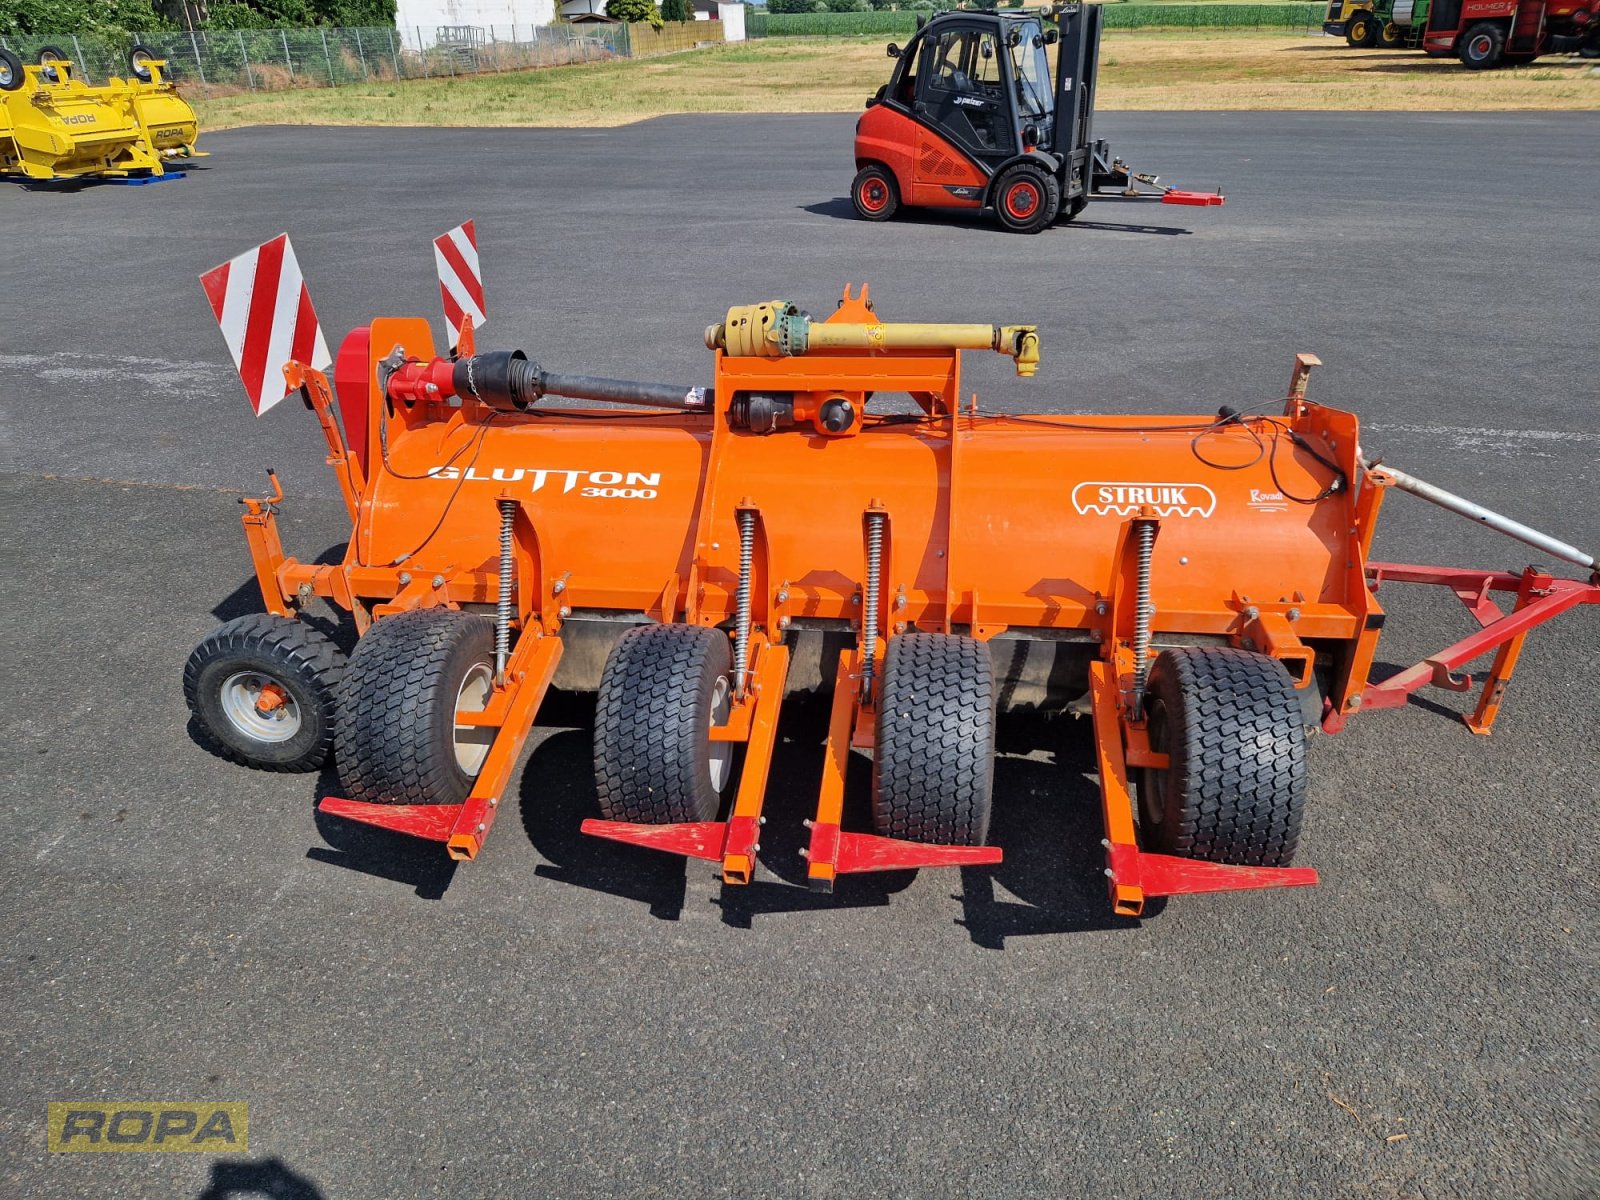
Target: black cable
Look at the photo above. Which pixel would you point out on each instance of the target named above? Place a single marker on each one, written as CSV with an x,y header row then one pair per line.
x,y
475,444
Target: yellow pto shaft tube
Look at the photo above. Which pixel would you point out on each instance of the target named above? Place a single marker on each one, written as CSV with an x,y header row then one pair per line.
x,y
781,330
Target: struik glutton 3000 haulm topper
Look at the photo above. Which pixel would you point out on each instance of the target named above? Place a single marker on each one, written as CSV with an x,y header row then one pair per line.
x,y
1200,584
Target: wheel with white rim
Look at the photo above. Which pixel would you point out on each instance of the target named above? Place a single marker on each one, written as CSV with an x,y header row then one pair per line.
x,y
139,60
874,193
1482,46
262,688
401,736
11,76
1026,199
664,688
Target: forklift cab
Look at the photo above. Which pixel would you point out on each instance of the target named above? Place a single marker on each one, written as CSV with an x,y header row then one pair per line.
x,y
981,81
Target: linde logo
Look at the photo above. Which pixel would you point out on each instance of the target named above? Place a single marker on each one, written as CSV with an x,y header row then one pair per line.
x,y
613,485
1106,499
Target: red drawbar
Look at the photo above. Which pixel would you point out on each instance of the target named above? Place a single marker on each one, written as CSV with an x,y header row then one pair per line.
x,y
1198,199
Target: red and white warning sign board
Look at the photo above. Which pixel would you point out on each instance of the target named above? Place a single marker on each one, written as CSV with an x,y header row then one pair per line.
x,y
261,302
460,281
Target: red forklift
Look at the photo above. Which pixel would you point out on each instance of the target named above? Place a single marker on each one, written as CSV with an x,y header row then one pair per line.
x,y
970,119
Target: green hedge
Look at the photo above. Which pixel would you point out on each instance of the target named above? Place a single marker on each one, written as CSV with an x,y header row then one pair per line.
x,y
1116,16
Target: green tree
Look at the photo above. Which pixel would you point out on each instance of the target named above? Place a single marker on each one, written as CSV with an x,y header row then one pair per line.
x,y
634,10
78,16
675,10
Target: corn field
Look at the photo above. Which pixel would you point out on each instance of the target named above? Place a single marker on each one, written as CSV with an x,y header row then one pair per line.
x,y
1114,16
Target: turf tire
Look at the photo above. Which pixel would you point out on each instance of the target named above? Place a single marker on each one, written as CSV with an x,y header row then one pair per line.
x,y
396,737
662,689
1233,726
306,665
874,193
933,763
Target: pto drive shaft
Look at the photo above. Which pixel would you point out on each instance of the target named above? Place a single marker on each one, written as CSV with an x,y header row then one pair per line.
x,y
779,329
510,381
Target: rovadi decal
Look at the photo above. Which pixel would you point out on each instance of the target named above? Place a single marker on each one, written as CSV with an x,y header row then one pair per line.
x,y
1103,498
1266,502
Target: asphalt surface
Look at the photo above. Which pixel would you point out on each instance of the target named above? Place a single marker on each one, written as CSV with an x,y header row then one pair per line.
x,y
570,1018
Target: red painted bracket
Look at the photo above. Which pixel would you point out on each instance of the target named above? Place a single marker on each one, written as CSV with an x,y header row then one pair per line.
x,y
1169,875
435,822
1198,199
834,852
692,839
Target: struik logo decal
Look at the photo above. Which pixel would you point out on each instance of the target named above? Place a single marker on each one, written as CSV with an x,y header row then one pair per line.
x,y
1105,499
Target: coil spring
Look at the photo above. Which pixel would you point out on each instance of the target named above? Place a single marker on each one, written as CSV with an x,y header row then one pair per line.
x,y
1142,612
869,614
741,622
502,608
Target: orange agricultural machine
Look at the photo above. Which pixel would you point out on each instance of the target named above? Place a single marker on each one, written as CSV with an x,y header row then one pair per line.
x,y
1200,585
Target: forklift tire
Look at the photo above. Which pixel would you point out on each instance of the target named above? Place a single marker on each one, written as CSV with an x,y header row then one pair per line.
x,y
1235,788
1389,36
11,76
1361,31
933,761
397,741
875,194
263,688
50,54
1590,47
662,690
1026,199
1071,209
1482,46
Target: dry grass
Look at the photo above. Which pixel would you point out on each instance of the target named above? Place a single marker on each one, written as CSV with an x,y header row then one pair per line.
x,y
1141,70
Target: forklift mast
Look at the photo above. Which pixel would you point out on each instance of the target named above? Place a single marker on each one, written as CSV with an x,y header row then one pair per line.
x,y
1077,68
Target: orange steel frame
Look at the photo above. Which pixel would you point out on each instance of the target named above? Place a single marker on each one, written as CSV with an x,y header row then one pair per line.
x,y
702,592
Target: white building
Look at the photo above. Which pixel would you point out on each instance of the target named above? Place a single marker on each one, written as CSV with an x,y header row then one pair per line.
x,y
502,15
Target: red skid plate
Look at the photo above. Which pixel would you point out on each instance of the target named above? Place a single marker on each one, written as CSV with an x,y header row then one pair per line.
x,y
432,821
1169,875
1199,199
868,852
692,839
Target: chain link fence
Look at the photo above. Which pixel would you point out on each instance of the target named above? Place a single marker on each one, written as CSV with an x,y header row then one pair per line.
x,y
221,63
